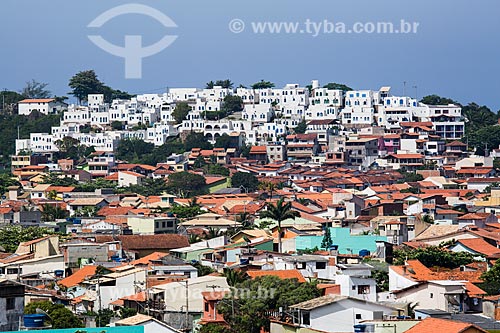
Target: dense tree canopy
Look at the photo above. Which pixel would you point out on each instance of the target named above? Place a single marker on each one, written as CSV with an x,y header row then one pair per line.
x,y
86,82
301,127
11,236
434,256
186,184
491,280
180,112
253,298
7,180
221,83
437,100
196,140
337,86
61,317
34,89
262,85
246,180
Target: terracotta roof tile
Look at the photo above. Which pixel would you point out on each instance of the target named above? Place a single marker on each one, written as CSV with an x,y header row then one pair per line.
x,y
282,274
433,325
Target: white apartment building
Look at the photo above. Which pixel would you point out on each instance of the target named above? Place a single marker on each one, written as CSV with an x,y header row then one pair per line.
x,y
258,113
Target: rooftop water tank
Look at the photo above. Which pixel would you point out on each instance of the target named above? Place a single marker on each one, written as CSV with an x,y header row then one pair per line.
x,y
34,320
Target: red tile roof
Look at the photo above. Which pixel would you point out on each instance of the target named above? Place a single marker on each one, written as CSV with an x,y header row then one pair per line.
x,y
78,277
479,245
282,274
433,325
37,100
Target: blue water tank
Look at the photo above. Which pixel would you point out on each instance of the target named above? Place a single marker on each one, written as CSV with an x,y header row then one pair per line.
x,y
244,261
59,273
359,328
334,247
34,320
364,253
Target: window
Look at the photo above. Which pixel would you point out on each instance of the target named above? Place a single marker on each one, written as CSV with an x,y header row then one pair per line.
x,y
11,303
363,289
320,265
431,295
358,315
206,306
306,318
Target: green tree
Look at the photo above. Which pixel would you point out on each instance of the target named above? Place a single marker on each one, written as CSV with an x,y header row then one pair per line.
x,y
117,125
149,187
301,127
34,89
181,111
327,241
185,184
196,140
202,270
224,141
433,256
51,213
248,313
127,312
279,212
410,177
263,85
9,100
337,86
216,169
234,276
84,83
227,84
491,280
478,117
6,180
437,100
11,236
232,103
246,180
60,316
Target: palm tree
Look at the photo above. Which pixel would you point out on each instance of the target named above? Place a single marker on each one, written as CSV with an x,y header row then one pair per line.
x,y
245,219
279,212
212,233
234,277
193,238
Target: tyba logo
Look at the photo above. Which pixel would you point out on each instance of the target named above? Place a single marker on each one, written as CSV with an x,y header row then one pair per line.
x,y
133,52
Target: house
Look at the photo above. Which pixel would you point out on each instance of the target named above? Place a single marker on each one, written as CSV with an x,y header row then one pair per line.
x,y
258,153
147,225
333,313
107,288
80,204
144,245
150,324
127,178
432,325
36,261
172,300
476,246
42,105
12,304
210,220
210,312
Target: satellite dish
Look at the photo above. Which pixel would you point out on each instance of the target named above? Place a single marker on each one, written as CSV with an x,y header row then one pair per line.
x,y
56,287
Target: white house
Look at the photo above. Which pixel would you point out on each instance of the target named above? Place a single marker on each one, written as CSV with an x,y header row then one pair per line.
x,y
337,313
42,105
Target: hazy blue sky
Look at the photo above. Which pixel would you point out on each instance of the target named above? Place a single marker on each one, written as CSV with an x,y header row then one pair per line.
x,y
455,53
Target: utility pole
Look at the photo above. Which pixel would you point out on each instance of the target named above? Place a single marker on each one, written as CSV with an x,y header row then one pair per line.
x,y
416,94
3,100
187,306
404,88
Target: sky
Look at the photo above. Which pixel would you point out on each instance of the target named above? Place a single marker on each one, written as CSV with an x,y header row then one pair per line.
x,y
455,51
